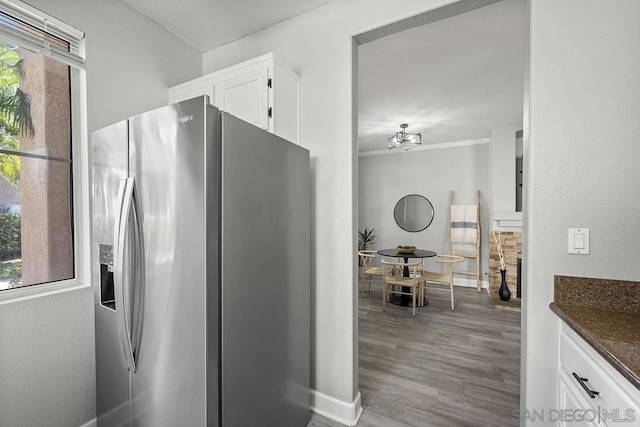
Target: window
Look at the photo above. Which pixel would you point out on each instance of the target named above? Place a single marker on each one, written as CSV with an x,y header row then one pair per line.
x,y
40,61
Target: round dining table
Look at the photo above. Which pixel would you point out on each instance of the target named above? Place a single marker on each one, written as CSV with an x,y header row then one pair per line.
x,y
393,253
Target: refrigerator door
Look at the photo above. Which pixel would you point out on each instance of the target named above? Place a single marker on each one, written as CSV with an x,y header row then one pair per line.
x,y
109,153
167,161
265,278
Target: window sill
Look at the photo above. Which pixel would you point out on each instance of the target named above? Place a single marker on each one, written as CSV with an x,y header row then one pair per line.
x,y
22,294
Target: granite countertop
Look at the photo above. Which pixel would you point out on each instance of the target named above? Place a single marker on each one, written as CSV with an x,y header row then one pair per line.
x,y
606,314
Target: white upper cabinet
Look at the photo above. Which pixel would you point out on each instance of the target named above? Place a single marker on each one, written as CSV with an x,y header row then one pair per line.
x,y
246,96
261,91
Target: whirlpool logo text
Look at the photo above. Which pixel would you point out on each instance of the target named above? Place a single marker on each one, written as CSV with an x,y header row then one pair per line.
x,y
185,119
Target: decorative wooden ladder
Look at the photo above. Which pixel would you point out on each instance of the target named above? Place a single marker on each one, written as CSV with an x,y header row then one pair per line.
x,y
454,248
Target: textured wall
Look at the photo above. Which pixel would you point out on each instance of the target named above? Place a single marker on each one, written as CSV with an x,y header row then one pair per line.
x,y
47,250
9,195
581,155
47,361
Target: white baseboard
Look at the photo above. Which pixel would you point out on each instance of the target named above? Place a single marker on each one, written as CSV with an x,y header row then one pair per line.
x,y
327,406
347,413
470,283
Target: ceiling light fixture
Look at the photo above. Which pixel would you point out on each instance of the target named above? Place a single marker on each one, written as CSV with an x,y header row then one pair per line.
x,y
403,140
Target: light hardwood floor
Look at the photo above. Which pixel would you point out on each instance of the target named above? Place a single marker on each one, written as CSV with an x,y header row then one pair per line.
x,y
441,368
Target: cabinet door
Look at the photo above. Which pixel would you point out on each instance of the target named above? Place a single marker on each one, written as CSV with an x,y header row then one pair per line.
x,y
246,96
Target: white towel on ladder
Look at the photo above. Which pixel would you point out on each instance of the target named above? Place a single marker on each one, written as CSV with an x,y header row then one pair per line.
x,y
464,227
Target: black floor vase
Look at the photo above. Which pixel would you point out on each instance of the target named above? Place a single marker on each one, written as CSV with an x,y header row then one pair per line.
x,y
504,293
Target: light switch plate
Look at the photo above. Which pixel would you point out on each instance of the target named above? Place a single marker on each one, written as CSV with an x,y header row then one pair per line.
x,y
579,241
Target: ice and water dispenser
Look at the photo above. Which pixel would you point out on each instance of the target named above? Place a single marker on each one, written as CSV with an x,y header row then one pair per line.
x,y
107,296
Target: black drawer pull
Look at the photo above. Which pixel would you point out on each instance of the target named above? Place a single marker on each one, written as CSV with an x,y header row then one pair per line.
x,y
592,393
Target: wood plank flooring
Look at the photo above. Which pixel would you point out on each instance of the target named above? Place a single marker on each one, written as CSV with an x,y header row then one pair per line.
x,y
441,368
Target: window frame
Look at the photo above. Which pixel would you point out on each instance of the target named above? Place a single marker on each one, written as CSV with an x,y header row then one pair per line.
x,y
80,176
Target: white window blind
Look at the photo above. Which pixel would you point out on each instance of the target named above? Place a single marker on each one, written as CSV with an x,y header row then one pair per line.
x,y
33,29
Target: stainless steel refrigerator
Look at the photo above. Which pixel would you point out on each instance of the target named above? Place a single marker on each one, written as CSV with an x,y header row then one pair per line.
x,y
201,269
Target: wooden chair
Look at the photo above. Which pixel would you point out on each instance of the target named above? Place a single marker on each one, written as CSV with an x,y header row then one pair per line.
x,y
444,278
393,281
368,269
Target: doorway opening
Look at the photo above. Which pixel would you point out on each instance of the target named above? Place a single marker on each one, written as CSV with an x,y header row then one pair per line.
x,y
456,75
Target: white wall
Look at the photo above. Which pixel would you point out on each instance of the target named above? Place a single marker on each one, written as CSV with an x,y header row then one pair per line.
x,y
47,354
503,169
582,157
384,179
318,46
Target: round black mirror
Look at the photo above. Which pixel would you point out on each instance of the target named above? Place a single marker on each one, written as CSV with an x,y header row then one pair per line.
x,y
413,213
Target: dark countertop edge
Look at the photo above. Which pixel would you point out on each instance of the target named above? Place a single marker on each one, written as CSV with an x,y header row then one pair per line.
x,y
593,342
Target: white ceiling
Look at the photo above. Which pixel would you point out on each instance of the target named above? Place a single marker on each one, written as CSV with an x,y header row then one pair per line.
x,y
207,24
451,80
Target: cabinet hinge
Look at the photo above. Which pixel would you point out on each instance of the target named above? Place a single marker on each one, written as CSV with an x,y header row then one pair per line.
x,y
268,82
270,112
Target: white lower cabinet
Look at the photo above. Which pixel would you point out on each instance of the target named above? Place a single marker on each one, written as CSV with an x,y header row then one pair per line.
x,y
261,91
573,409
590,391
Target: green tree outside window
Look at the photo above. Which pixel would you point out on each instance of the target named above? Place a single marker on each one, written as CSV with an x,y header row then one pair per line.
x,y
15,121
15,112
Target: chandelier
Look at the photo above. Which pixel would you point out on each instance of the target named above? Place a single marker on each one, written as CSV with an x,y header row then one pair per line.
x,y
403,140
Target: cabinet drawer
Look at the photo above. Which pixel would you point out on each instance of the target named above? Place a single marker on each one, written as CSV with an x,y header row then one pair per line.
x,y
612,401
573,400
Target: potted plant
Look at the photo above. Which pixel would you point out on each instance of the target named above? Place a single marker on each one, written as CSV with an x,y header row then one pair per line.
x,y
366,237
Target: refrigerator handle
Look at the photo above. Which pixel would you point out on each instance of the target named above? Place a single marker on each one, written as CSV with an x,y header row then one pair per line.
x,y
120,277
137,282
